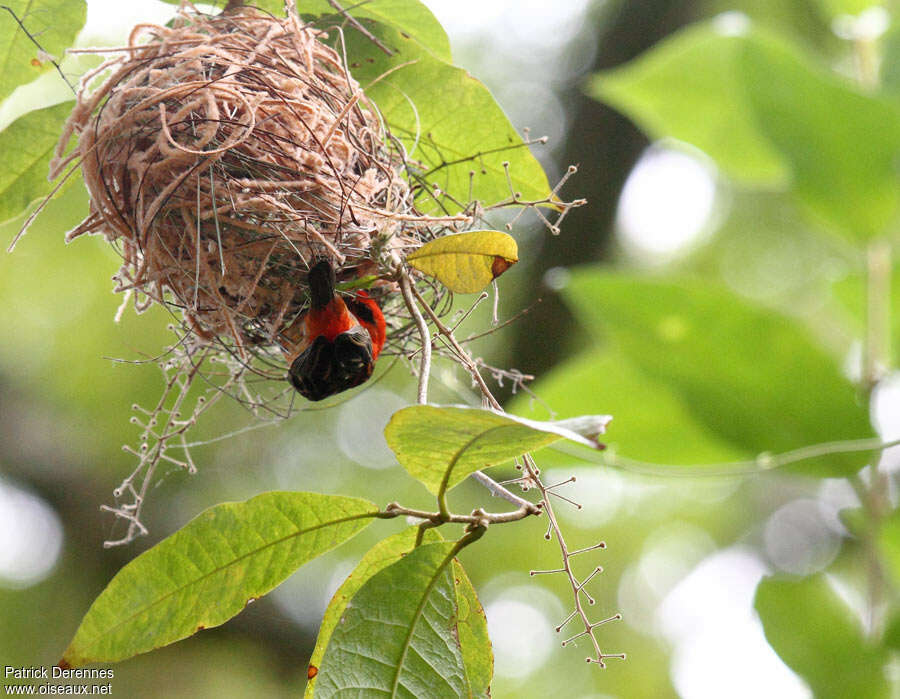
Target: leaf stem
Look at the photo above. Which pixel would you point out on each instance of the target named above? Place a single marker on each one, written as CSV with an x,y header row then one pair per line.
x,y
763,462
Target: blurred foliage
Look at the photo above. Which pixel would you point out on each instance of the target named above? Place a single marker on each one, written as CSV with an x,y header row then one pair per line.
x,y
815,633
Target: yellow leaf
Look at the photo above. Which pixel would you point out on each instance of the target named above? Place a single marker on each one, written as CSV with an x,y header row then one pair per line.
x,y
466,262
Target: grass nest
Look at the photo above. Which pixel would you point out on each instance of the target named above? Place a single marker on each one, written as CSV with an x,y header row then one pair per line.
x,y
223,154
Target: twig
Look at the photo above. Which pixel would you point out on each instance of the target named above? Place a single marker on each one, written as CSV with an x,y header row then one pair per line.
x,y
394,509
359,27
424,334
499,491
577,586
40,48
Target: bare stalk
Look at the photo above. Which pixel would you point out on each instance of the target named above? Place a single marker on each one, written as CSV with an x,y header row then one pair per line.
x,y
424,336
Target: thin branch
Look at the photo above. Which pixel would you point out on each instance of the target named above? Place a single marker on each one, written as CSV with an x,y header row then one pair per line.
x,y
359,27
424,335
394,509
499,491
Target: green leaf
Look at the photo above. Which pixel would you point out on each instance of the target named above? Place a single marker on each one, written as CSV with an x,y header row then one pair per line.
x,y
842,145
687,87
763,108
466,262
440,446
449,122
654,422
54,23
748,377
817,635
364,282
412,20
473,639
386,552
27,146
398,635
207,572
478,657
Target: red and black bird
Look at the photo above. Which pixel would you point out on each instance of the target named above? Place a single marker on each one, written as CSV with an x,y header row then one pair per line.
x,y
341,339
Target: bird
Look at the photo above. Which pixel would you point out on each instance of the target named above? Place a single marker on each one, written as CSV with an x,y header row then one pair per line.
x,y
341,339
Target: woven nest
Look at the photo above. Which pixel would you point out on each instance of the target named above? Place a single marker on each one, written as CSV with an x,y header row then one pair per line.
x,y
224,154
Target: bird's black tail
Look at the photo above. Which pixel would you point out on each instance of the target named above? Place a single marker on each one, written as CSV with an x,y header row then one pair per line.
x,y
321,283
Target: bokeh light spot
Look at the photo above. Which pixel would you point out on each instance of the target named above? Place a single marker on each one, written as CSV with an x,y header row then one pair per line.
x,y
667,204
798,539
31,536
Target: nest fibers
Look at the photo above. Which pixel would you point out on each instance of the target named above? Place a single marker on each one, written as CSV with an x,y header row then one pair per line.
x,y
223,155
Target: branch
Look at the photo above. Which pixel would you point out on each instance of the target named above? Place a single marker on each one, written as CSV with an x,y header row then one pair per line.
x,y
478,516
425,336
499,491
360,28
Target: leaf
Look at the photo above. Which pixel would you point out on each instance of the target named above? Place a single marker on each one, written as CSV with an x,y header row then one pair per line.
x,y
207,572
364,282
654,422
440,446
413,21
686,87
27,145
398,634
842,145
817,635
448,121
386,552
750,379
476,648
466,262
769,113
478,657
54,23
